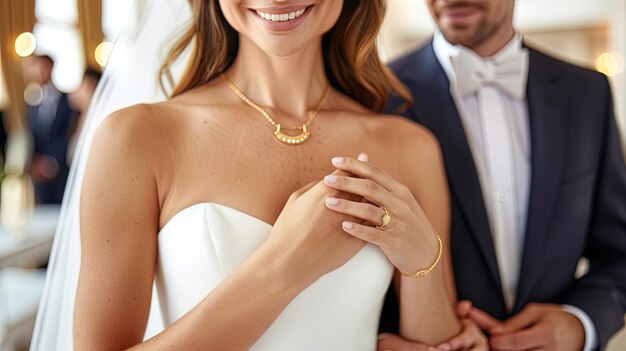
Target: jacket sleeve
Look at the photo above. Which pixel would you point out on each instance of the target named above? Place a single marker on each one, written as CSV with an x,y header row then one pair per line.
x,y
601,293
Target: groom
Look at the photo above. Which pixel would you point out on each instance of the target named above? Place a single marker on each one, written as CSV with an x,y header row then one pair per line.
x,y
537,181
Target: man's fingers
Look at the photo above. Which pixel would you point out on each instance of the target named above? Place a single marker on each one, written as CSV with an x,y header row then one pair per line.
x,y
527,339
471,338
484,320
463,308
392,342
529,316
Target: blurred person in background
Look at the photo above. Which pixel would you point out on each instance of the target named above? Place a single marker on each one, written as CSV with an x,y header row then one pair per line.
x,y
537,178
52,121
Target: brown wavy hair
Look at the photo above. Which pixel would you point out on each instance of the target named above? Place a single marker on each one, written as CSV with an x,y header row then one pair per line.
x,y
351,59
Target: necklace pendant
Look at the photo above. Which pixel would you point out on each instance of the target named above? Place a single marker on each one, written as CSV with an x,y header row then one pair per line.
x,y
292,139
278,134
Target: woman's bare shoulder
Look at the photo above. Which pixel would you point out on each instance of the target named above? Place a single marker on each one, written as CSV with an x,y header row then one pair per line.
x,y
161,120
133,134
130,125
411,138
414,149
130,119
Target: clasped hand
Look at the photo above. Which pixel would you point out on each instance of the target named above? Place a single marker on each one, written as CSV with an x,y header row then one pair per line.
x,y
408,239
539,326
355,193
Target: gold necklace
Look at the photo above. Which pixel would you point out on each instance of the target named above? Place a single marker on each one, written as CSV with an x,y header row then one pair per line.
x,y
278,134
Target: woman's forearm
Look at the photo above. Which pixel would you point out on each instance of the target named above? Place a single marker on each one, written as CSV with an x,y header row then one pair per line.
x,y
235,314
426,314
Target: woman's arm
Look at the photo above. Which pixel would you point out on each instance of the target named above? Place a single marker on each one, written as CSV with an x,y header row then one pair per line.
x,y
119,225
428,305
418,210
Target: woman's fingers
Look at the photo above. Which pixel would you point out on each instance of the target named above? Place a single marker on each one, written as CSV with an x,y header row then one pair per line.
x,y
364,232
365,211
366,188
296,194
363,169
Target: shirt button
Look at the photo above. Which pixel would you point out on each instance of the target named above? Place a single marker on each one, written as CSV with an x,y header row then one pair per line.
x,y
503,196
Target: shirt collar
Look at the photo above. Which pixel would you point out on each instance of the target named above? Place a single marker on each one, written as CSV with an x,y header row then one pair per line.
x,y
444,50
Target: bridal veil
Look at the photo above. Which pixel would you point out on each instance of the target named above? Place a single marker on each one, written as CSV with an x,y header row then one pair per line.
x,y
131,77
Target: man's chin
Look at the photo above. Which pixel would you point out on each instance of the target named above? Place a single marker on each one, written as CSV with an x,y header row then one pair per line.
x,y
465,37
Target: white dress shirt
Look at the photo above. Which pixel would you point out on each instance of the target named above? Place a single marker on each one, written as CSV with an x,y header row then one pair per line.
x,y
500,147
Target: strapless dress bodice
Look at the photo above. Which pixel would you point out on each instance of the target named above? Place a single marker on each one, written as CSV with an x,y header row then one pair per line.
x,y
201,245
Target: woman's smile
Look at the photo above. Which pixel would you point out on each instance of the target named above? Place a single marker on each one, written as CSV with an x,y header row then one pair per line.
x,y
281,18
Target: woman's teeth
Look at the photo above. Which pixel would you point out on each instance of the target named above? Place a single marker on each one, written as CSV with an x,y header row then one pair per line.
x,y
282,17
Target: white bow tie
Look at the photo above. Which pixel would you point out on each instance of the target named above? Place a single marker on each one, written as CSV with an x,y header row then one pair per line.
x,y
508,73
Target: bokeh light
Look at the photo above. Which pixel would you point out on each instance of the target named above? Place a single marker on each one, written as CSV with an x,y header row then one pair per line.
x,y
103,51
610,63
25,44
33,94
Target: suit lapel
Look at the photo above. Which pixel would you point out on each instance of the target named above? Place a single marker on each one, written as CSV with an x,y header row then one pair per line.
x,y
547,108
437,111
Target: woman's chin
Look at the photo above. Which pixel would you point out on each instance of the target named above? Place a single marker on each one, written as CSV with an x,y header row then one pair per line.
x,y
279,46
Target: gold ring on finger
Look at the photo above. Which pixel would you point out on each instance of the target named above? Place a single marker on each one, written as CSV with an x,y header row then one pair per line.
x,y
385,219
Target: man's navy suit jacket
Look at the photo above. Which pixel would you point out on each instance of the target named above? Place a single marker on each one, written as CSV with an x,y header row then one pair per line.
x,y
52,139
577,204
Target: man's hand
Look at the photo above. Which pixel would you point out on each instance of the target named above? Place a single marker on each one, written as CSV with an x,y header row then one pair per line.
x,y
471,337
538,326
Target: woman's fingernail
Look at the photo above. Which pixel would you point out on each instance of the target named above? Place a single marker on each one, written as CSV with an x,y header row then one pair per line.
x,y
331,179
331,201
347,225
338,160
363,157
444,347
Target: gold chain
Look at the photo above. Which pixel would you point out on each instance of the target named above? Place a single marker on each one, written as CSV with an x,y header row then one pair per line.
x,y
280,136
424,272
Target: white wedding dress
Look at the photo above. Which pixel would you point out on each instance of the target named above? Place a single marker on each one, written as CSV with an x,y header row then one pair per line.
x,y
202,244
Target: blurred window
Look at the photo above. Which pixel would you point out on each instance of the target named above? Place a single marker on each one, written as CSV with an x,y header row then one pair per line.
x,y
58,36
115,17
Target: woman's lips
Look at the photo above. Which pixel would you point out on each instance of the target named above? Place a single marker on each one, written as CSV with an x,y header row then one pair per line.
x,y
281,19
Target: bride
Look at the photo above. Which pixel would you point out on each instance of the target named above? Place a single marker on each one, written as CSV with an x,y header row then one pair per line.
x,y
240,199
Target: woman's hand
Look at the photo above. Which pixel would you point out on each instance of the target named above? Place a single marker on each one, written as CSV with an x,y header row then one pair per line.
x,y
471,338
408,239
308,240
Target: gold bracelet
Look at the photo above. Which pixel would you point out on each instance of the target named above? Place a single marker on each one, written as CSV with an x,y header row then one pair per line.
x,y
424,272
